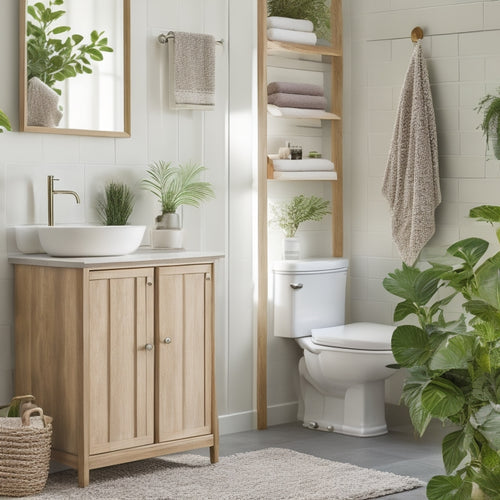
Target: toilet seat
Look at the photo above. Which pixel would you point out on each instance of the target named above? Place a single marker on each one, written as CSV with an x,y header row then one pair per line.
x,y
365,336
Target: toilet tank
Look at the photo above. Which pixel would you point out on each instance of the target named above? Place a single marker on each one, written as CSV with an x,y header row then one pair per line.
x,y
307,294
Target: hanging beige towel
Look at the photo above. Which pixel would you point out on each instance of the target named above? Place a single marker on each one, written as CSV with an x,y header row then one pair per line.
x,y
411,182
191,60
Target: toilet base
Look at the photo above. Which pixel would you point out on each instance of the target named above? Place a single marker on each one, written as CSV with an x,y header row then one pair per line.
x,y
358,410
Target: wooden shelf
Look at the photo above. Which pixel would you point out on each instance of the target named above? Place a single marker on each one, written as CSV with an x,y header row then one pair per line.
x,y
316,114
300,48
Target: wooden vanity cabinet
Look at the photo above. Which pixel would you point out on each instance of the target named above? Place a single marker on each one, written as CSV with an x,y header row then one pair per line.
x,y
121,358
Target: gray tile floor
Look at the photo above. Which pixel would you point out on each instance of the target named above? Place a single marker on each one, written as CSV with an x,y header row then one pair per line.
x,y
399,451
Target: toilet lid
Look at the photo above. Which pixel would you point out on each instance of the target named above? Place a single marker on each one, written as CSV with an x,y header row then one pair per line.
x,y
366,336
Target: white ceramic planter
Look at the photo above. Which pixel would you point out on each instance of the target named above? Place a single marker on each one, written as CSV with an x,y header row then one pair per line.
x,y
166,238
169,221
291,249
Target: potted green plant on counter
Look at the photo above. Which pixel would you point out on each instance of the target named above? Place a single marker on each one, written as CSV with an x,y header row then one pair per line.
x,y
175,186
454,365
288,216
115,208
4,122
489,105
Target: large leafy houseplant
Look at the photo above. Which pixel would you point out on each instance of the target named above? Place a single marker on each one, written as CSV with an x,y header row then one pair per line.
x,y
490,106
454,366
53,58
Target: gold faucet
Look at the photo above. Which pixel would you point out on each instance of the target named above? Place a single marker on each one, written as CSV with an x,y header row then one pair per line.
x,y
50,197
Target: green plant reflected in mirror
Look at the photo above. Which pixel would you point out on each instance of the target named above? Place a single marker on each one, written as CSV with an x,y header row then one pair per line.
x,y
75,67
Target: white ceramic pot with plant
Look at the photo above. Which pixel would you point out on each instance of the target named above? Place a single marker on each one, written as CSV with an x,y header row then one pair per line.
x,y
174,186
289,215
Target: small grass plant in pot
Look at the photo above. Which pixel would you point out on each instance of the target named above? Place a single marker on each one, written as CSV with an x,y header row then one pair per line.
x,y
288,216
174,186
453,366
116,207
489,105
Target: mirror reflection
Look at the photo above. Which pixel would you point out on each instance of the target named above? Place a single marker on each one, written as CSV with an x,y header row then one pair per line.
x,y
75,63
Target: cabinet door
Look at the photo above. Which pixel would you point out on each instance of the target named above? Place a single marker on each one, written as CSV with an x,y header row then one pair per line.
x,y
184,354
121,359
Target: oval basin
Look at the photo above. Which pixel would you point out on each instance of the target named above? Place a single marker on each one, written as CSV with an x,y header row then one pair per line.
x,y
90,241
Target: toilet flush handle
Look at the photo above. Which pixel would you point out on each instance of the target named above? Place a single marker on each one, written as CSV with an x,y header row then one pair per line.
x,y
296,286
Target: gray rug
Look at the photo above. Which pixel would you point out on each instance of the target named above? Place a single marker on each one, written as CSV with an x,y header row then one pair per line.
x,y
272,473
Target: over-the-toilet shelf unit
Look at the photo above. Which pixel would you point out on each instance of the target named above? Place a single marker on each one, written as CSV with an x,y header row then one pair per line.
x,y
331,61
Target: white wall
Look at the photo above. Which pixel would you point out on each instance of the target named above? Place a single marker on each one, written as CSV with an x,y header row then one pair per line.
x,y
84,164
462,49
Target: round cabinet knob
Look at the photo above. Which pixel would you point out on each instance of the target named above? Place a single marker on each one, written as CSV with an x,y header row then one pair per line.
x,y
150,283
148,347
167,340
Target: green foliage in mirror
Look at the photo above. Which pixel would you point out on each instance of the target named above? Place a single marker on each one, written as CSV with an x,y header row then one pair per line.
x,y
289,215
52,58
177,185
489,105
117,205
4,122
454,366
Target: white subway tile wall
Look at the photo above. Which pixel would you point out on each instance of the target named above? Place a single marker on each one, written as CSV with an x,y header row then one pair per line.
x,y
462,49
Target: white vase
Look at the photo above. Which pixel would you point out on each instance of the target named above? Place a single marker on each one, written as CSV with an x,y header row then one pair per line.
x,y
291,249
168,221
166,238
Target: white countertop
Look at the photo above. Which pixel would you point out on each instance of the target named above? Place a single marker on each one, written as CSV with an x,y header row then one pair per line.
x,y
144,256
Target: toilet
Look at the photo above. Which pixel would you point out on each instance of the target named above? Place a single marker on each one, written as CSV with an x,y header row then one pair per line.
x,y
343,369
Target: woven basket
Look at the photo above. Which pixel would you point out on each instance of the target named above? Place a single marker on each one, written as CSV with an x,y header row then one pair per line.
x,y
24,453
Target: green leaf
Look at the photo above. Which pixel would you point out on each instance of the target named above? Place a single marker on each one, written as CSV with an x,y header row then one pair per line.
x,y
77,38
454,450
448,488
442,398
487,421
470,250
412,397
489,482
94,36
4,122
95,54
410,345
60,29
404,309
486,213
488,281
455,352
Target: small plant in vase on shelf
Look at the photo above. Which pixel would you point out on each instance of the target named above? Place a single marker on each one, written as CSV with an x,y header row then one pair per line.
x,y
174,186
289,215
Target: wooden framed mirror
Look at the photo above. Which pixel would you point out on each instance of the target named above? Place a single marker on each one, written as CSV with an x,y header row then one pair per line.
x,y
74,67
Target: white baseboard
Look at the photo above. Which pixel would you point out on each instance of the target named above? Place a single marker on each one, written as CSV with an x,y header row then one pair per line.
x,y
247,420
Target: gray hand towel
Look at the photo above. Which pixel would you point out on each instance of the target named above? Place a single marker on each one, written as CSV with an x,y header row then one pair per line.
x,y
297,101
191,70
294,88
411,182
42,105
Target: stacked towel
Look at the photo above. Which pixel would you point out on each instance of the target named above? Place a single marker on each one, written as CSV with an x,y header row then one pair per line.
x,y
286,29
296,95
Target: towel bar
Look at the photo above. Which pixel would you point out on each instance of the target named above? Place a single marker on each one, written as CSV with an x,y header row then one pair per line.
x,y
162,38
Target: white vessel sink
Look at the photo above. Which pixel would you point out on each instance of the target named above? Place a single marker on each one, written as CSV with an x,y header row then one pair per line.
x,y
27,239
90,241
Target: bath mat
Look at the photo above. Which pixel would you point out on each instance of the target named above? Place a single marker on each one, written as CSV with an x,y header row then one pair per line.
x,y
273,473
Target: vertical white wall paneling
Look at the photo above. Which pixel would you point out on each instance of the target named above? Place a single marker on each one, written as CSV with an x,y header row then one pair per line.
x,y
462,53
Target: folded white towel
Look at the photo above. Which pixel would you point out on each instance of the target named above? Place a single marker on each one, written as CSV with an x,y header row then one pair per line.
x,y
191,60
280,35
299,113
288,23
304,165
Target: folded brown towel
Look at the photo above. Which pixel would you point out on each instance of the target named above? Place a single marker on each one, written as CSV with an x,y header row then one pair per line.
x,y
294,88
297,101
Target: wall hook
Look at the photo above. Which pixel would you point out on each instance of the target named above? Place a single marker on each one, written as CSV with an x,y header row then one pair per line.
x,y
417,33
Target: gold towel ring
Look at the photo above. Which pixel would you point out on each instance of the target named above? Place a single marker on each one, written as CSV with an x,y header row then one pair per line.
x,y
417,33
